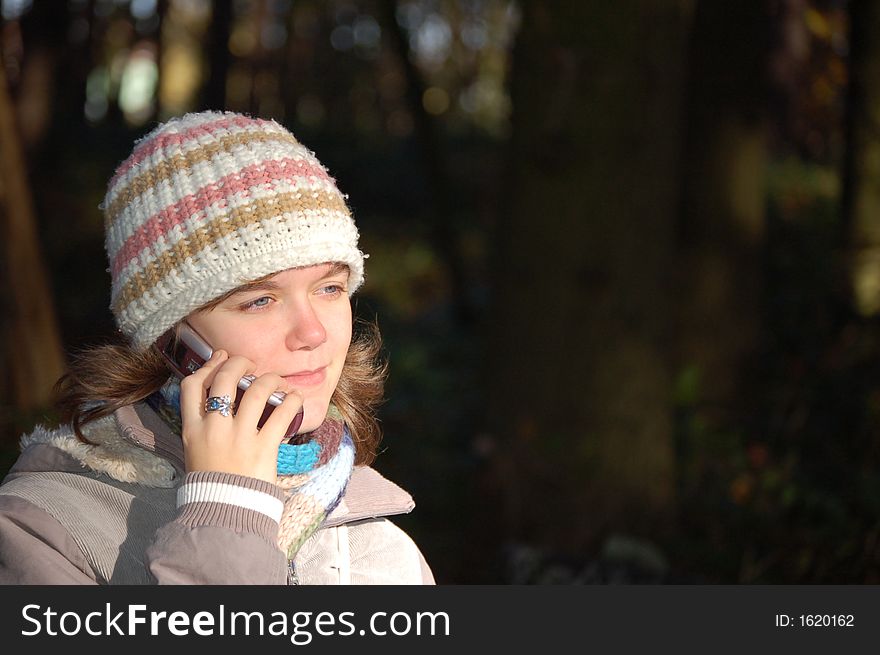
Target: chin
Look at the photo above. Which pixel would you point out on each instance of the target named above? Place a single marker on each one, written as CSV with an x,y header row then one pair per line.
x,y
315,413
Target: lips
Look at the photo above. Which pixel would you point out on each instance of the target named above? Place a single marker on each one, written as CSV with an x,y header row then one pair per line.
x,y
307,378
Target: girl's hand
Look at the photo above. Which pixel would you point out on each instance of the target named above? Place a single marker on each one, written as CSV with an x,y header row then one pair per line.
x,y
232,444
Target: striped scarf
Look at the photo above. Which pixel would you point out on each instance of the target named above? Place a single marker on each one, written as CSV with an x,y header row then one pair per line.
x,y
313,472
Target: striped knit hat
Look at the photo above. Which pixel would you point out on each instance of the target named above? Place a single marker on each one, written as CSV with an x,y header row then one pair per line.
x,y
208,202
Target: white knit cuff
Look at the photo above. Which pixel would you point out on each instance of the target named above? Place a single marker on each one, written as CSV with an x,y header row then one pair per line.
x,y
229,494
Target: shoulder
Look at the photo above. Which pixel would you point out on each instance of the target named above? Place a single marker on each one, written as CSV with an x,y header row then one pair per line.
x,y
382,553
108,452
366,552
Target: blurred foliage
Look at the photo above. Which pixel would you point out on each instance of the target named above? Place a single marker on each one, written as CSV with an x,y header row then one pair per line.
x,y
789,492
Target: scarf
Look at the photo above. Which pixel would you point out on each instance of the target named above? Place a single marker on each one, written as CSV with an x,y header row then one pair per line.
x,y
313,471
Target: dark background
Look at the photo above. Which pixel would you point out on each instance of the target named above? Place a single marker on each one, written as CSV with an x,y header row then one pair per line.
x,y
625,255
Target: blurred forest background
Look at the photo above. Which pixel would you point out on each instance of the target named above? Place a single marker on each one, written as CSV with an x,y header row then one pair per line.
x,y
625,255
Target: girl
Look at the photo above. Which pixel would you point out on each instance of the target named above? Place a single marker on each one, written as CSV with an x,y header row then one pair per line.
x,y
223,233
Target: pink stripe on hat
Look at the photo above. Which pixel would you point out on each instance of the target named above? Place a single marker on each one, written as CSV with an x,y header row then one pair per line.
x,y
180,138
162,222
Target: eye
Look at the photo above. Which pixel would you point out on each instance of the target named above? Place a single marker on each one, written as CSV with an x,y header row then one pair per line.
x,y
257,303
332,289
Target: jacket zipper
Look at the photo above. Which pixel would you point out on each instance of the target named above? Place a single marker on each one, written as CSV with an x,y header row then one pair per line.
x,y
292,577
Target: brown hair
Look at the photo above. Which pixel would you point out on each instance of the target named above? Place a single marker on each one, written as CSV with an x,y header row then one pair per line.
x,y
101,380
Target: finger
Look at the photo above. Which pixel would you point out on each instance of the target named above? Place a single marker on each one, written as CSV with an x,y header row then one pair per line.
x,y
276,425
224,381
193,387
254,401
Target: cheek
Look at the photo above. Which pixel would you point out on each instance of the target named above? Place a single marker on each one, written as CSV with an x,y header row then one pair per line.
x,y
345,336
338,326
337,353
235,339
338,342
247,344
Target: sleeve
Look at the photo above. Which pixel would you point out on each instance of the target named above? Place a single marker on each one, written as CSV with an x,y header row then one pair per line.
x,y
225,532
36,549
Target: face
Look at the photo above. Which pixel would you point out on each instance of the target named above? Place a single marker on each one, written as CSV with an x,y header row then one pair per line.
x,y
296,323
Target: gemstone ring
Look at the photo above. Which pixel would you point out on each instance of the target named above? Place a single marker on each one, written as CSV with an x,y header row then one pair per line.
x,y
222,404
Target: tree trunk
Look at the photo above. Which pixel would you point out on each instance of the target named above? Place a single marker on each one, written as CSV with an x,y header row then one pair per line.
x,y
442,200
218,55
580,386
723,216
861,199
32,345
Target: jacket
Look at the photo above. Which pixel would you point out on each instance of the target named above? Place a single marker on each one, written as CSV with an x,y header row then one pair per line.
x,y
74,513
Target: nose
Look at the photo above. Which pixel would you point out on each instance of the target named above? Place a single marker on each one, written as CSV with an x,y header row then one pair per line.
x,y
306,328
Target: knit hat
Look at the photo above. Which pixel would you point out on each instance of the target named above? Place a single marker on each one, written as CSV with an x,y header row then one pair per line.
x,y
208,202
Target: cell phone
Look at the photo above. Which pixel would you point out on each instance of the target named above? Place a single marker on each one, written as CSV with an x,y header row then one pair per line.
x,y
189,352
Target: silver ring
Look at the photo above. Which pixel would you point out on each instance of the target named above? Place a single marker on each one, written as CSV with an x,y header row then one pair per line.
x,y
222,404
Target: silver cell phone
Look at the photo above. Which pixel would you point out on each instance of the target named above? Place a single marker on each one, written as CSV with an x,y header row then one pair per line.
x,y
189,352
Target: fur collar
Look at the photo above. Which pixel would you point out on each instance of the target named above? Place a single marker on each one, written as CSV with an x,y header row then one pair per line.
x,y
124,446
110,454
